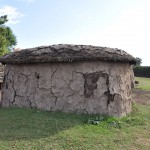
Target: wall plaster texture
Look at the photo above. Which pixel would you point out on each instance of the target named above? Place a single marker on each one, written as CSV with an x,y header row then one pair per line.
x,y
93,87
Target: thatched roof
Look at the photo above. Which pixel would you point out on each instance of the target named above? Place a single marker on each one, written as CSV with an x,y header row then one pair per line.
x,y
67,53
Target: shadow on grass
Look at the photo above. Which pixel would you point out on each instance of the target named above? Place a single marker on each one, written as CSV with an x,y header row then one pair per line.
x,y
27,124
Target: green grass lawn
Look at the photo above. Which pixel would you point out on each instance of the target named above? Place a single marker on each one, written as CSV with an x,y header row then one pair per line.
x,y
144,83
28,129
31,129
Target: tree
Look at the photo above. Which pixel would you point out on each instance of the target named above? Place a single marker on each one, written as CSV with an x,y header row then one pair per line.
x,y
138,61
3,19
7,38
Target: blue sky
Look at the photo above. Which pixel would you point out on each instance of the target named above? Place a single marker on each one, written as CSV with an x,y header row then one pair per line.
x,y
123,24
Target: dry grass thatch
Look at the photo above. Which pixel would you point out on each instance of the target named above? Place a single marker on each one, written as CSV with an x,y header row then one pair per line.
x,y
67,53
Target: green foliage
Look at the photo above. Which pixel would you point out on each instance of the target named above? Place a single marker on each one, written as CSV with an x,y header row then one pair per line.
x,y
109,122
3,19
7,38
138,61
96,120
142,71
115,124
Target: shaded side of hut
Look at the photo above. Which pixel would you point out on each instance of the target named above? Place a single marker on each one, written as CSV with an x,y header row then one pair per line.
x,y
69,78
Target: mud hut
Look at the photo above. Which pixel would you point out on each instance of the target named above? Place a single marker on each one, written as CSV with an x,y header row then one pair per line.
x,y
69,78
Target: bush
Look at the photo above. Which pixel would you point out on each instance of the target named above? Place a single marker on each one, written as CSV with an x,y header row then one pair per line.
x,y
112,122
142,71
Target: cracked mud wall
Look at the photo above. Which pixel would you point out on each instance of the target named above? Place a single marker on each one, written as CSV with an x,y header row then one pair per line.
x,y
81,87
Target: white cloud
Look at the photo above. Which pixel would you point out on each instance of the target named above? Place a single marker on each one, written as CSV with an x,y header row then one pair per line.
x,y
13,15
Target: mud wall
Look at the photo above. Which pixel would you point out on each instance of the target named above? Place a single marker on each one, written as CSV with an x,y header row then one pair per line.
x,y
81,87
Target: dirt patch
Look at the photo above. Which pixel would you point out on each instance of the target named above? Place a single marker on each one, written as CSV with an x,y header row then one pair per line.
x,y
143,141
141,96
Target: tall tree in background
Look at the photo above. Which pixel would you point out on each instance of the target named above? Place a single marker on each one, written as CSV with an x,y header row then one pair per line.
x,y
138,61
7,38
